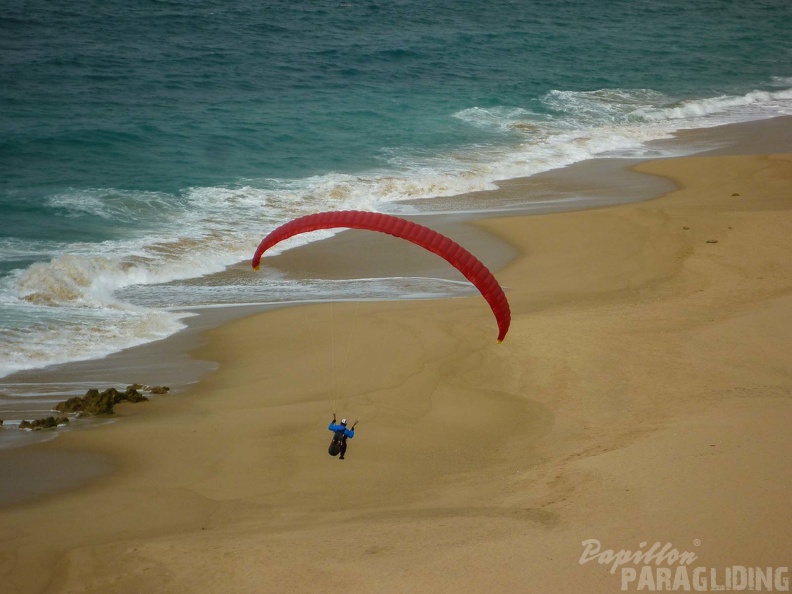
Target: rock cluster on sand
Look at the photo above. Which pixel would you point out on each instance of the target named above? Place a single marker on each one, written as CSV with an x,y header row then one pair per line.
x,y
101,403
45,423
94,403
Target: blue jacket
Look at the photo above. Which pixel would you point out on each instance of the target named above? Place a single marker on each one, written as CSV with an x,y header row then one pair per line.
x,y
350,433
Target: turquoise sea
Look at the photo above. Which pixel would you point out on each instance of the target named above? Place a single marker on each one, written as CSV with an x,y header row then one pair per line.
x,y
147,145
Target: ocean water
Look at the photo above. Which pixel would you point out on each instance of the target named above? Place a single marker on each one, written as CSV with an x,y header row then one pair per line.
x,y
147,146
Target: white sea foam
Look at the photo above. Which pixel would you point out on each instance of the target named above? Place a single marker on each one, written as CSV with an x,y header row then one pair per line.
x,y
80,337
13,249
118,206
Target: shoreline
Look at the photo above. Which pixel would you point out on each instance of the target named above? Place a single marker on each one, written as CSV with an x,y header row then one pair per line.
x,y
642,394
167,361
600,182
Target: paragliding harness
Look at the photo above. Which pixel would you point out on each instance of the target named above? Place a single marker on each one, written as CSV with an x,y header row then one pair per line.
x,y
338,444
339,441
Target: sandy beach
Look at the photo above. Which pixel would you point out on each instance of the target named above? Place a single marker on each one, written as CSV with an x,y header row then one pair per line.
x,y
642,395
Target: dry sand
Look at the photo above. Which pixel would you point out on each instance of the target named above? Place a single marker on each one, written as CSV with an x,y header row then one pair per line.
x,y
643,395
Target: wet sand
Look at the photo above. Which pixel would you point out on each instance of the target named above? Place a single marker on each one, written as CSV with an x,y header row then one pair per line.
x,y
642,395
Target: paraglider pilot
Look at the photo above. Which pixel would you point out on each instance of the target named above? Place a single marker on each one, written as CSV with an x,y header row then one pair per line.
x,y
340,436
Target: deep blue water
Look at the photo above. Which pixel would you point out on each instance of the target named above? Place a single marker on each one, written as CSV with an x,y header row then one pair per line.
x,y
154,142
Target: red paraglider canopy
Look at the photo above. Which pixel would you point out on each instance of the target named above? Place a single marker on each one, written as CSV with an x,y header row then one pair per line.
x,y
455,254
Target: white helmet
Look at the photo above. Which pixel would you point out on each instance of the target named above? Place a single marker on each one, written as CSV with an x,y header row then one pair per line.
x,y
343,421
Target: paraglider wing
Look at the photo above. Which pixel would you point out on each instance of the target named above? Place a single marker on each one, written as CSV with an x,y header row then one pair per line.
x,y
455,254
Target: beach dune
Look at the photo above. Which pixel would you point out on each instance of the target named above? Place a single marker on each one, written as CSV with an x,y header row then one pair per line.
x,y
642,395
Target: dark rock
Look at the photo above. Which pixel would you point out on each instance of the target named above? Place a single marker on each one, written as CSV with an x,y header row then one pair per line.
x,y
132,395
158,389
712,241
73,404
45,423
100,403
96,404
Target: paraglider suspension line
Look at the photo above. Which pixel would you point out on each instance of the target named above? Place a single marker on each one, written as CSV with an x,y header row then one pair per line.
x,y
349,346
316,357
